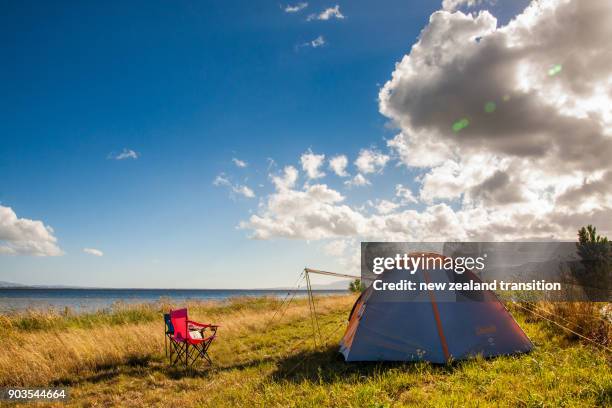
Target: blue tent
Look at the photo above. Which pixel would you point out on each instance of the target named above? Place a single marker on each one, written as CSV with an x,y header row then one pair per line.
x,y
387,325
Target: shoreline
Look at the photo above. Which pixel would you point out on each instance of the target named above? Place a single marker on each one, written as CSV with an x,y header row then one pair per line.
x,y
66,305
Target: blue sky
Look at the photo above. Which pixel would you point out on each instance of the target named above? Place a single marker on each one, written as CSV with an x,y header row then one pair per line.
x,y
187,87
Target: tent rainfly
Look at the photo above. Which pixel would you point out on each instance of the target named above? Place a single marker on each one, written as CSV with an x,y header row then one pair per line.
x,y
429,326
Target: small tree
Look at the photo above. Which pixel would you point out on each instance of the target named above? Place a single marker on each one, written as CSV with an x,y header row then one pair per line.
x,y
595,252
356,286
589,234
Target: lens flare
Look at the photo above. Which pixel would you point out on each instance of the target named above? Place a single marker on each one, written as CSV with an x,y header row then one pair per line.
x,y
554,70
490,107
460,124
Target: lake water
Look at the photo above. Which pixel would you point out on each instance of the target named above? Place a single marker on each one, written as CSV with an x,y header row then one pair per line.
x,y
82,300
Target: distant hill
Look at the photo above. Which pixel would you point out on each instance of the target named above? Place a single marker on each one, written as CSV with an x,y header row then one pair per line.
x,y
343,285
338,285
4,284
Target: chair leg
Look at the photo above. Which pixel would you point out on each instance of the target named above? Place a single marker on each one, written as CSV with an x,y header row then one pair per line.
x,y
206,346
188,354
201,352
177,349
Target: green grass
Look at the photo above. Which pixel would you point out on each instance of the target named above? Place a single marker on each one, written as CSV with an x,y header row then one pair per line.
x,y
279,365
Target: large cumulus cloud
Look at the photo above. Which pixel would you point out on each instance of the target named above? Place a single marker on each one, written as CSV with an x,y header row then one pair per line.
x,y
462,62
509,129
510,118
22,236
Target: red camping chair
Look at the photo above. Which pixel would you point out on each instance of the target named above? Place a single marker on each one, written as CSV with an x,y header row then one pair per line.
x,y
190,340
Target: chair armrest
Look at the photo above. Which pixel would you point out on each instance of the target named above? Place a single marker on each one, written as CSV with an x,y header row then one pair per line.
x,y
196,324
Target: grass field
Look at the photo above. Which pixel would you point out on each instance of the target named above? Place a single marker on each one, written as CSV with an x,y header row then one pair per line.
x,y
117,359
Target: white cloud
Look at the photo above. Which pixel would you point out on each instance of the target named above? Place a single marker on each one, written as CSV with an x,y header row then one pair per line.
x,y
509,120
245,191
336,247
371,161
296,7
327,14
347,252
424,152
386,206
311,163
239,163
313,213
287,180
452,5
338,165
221,180
224,181
22,236
271,163
125,154
357,181
318,42
319,212
503,100
93,251
405,194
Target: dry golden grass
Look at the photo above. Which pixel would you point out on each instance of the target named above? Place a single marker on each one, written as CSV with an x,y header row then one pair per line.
x,y
55,353
590,320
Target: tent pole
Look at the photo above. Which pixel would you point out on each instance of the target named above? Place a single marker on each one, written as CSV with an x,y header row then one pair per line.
x,y
311,302
436,312
310,307
341,275
313,312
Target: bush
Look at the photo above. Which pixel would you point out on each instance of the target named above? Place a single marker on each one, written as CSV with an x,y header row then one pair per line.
x,y
356,286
